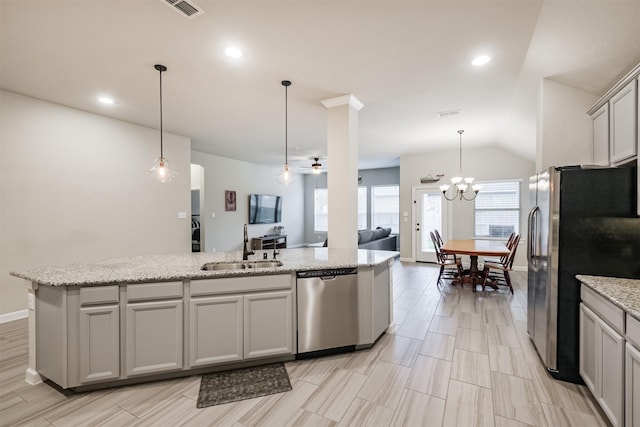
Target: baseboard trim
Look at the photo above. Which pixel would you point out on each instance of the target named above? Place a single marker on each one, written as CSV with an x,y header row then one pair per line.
x,y
16,315
403,259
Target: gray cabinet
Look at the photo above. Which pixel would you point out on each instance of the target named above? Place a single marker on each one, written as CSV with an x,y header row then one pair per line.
x,y
600,133
215,330
99,343
602,353
623,126
153,337
268,324
632,384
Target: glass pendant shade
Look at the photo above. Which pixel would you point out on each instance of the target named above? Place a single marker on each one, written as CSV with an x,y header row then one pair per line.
x,y
287,176
162,171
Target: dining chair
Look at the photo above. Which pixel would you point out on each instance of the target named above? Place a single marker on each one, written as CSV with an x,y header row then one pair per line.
x,y
505,267
445,263
441,242
503,258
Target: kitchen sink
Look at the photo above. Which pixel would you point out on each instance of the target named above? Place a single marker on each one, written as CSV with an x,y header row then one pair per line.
x,y
264,264
236,265
240,265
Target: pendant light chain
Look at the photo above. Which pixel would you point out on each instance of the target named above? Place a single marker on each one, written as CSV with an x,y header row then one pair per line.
x,y
460,133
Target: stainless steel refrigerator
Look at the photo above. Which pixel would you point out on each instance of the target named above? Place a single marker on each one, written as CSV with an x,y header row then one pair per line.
x,y
582,221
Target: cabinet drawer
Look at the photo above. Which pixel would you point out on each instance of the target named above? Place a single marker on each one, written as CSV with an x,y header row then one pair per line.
x,y
611,314
153,291
99,295
241,284
633,331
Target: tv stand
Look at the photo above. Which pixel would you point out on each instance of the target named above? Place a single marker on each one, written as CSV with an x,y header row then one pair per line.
x,y
272,241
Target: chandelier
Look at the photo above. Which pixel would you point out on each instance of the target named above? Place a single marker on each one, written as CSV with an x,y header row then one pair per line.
x,y
463,188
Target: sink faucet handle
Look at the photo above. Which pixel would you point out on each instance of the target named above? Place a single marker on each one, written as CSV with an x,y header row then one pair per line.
x,y
275,252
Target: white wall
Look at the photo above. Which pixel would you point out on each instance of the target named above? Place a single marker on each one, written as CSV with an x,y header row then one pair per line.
x,y
564,128
74,188
488,163
224,232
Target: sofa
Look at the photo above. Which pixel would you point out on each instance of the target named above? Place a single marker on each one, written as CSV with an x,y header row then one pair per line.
x,y
379,239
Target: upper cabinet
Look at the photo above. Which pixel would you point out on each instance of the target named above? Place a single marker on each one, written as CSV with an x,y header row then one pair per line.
x,y
623,126
615,124
600,129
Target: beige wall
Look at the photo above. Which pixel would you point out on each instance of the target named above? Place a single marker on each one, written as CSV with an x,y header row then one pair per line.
x,y
564,128
74,188
484,164
224,231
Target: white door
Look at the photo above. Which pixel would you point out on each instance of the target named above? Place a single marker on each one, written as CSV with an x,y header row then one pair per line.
x,y
430,214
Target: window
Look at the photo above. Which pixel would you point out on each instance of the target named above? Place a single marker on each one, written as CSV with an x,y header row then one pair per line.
x,y
385,207
497,209
321,209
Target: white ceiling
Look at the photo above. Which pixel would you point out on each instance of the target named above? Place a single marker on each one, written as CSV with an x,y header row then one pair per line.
x,y
405,60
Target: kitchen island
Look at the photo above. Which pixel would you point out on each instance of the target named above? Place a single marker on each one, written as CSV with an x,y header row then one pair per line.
x,y
158,316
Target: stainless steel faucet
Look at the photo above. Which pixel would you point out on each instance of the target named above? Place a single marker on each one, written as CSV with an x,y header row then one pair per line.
x,y
245,250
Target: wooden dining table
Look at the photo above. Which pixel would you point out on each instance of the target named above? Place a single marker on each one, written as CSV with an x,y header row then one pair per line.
x,y
475,248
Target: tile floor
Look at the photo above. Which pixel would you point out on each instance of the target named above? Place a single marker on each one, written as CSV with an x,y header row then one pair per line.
x,y
454,358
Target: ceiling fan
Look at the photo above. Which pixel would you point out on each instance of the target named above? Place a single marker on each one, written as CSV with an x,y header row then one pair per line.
x,y
316,167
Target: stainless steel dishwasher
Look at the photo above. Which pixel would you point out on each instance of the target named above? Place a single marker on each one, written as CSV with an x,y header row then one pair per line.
x,y
327,310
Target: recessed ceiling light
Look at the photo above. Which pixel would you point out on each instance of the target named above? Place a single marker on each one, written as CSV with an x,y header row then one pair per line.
x,y
106,100
480,60
233,52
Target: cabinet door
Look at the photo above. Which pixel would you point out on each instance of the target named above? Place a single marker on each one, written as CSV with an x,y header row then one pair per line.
x,y
99,343
154,337
632,383
588,347
215,330
611,376
268,324
622,129
600,133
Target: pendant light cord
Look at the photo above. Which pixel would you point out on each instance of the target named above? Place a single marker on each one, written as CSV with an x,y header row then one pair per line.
x,y
460,132
286,124
161,152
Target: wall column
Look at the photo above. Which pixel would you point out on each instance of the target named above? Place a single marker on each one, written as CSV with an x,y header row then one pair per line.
x,y
342,175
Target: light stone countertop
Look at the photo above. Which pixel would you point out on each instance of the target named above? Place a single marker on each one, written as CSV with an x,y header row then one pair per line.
x,y
158,268
625,293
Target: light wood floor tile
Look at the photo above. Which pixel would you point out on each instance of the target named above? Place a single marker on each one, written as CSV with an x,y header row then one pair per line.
x,y
363,413
423,311
417,409
468,405
516,398
437,345
414,328
471,340
136,400
473,321
304,418
315,371
404,303
121,418
509,360
444,325
508,422
448,305
363,361
172,413
400,315
278,409
498,317
334,396
560,393
502,335
430,376
225,415
472,368
401,350
385,384
557,416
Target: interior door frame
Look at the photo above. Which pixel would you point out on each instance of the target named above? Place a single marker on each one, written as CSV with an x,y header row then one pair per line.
x,y
414,216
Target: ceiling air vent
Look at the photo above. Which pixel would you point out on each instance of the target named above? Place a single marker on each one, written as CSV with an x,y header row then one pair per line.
x,y
185,8
442,114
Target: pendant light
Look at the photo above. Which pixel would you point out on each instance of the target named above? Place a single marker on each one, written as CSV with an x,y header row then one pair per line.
x,y
461,186
161,169
286,176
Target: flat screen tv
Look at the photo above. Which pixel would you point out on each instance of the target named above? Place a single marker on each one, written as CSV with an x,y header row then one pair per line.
x,y
265,209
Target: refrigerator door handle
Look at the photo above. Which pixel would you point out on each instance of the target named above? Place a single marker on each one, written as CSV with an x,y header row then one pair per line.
x,y
531,234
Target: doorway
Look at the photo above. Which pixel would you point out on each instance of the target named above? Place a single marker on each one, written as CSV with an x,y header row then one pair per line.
x,y
197,207
430,212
